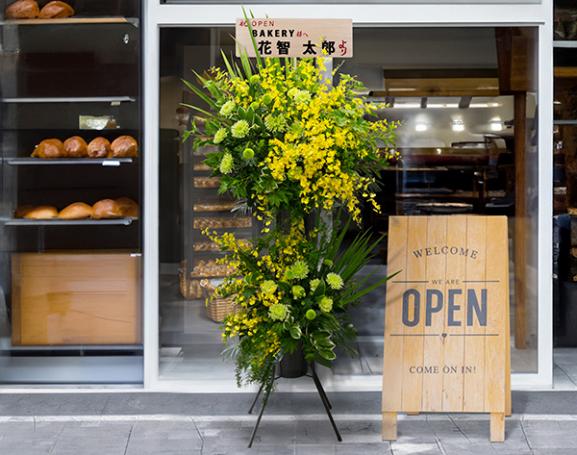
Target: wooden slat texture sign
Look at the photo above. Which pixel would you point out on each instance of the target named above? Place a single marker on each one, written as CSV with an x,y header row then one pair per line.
x,y
446,318
296,37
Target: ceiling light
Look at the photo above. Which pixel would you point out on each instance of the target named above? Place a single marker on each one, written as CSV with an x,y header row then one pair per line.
x,y
457,126
496,124
420,127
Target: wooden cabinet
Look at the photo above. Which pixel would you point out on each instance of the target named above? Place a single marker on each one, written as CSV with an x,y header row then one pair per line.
x,y
72,298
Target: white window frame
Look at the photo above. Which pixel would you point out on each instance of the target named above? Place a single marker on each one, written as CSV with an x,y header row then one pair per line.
x,y
158,15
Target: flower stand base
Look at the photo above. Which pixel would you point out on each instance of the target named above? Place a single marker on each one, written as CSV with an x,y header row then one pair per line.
x,y
267,387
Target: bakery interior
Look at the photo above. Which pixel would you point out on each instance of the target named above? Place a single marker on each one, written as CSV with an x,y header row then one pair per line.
x,y
70,221
466,99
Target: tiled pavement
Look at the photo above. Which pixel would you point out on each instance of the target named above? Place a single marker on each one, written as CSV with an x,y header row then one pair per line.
x,y
544,423
441,435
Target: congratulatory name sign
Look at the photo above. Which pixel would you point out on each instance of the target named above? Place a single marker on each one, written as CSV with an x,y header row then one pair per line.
x,y
446,339
296,37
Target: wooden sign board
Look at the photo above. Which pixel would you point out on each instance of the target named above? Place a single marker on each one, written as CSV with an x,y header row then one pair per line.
x,y
446,346
296,37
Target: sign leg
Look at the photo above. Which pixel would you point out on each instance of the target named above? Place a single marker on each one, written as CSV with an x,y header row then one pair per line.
x,y
389,426
497,427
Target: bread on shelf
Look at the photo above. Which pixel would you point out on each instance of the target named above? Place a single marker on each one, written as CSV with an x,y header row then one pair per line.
x,y
41,212
22,9
49,148
124,147
222,223
206,182
106,209
76,211
75,147
214,207
205,246
210,267
56,10
99,148
21,211
128,207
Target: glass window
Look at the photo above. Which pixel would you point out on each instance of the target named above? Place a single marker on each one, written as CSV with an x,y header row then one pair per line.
x,y
70,231
467,102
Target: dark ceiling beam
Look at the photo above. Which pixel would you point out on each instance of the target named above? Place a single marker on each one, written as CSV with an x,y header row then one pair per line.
x,y
465,102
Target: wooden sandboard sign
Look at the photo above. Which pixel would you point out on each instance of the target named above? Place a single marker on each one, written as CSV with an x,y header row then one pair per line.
x,y
447,345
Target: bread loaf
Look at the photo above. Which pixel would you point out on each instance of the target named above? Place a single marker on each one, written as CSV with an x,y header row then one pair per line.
x,y
42,212
49,148
75,147
221,223
76,211
206,182
106,208
124,147
22,211
56,10
22,9
98,148
128,207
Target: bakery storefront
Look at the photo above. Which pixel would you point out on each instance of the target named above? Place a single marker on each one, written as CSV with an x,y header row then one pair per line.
x,y
104,269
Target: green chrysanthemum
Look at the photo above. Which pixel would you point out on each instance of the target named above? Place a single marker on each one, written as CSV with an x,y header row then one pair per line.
x,y
314,284
220,136
298,271
275,123
227,109
240,129
268,287
311,314
278,312
328,262
300,96
326,304
254,79
298,292
226,164
335,281
248,154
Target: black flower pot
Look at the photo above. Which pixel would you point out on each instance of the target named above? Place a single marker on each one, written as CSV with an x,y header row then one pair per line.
x,y
293,365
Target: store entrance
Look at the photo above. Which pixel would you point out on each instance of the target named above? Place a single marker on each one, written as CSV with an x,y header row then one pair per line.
x,y
466,101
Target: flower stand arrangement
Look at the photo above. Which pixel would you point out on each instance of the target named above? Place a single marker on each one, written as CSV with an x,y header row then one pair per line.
x,y
290,146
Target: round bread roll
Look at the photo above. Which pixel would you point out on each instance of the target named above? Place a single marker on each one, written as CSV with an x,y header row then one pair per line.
x,y
76,211
56,10
106,208
22,211
98,148
22,9
128,207
75,147
42,212
124,147
49,148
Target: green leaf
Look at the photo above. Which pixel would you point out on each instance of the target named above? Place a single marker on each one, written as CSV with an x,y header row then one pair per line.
x,y
296,332
198,92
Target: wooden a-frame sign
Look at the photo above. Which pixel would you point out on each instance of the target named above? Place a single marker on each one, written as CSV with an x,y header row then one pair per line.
x,y
447,344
